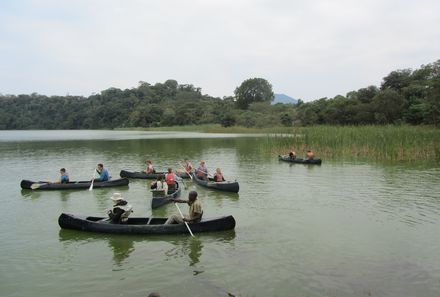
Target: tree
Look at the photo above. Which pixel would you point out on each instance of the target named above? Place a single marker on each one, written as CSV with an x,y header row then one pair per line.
x,y
397,80
388,106
253,90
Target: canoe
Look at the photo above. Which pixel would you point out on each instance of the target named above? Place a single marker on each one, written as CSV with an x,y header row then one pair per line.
x,y
159,197
143,175
226,186
143,225
299,160
41,185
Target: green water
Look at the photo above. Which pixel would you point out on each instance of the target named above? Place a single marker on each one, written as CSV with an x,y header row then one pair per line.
x,y
340,229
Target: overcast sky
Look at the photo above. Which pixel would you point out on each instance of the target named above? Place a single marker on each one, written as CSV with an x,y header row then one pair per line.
x,y
305,49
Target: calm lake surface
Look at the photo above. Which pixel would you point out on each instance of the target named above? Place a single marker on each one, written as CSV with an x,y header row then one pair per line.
x,y
340,229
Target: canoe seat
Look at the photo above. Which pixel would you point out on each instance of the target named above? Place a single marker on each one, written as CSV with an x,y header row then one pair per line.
x,y
158,193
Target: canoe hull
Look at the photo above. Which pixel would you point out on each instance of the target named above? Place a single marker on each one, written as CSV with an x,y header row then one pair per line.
x,y
143,175
27,184
226,186
157,202
140,226
299,160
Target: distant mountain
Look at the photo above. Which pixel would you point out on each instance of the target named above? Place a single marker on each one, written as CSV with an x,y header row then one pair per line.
x,y
281,98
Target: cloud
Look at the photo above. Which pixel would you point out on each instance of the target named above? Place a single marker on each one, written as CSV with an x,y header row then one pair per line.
x,y
306,49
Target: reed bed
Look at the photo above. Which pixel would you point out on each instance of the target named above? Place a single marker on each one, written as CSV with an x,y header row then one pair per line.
x,y
393,143
396,143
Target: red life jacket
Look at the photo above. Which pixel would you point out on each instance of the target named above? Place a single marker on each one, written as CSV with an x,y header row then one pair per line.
x,y
170,178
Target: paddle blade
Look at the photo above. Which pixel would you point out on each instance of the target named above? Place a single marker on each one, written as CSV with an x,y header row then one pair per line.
x,y
35,186
93,179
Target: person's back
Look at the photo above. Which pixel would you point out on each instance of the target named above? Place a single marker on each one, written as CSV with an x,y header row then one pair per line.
x,y
64,177
170,177
310,155
160,185
121,209
292,155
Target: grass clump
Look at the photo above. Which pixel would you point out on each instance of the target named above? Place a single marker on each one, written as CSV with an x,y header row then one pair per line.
x,y
400,143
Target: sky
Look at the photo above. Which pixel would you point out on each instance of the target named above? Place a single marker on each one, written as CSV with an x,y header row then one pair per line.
x,y
305,49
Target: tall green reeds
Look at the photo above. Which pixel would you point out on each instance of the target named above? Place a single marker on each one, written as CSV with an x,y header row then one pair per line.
x,y
377,142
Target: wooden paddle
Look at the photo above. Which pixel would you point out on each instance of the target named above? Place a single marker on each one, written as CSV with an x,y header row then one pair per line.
x,y
183,182
35,186
93,179
207,173
187,226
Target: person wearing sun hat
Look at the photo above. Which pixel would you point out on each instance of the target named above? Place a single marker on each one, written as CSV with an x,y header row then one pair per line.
x,y
121,209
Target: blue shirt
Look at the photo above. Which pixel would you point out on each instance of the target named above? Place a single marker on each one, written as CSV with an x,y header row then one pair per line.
x,y
64,179
103,176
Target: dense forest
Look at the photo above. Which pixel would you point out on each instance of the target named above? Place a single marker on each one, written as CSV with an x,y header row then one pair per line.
x,y
404,96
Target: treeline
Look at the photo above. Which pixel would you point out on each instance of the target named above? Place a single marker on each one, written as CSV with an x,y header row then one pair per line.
x,y
405,96
162,104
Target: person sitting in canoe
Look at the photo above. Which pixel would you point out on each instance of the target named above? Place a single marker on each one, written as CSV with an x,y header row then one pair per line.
x,y
310,155
150,168
195,211
292,155
103,173
218,176
187,168
160,184
64,177
202,171
121,209
170,179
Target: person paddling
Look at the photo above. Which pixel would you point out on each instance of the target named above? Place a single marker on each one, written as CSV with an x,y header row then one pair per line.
x,y
103,173
202,171
195,211
187,169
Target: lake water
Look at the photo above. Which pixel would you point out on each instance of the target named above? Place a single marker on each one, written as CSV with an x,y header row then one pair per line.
x,y
340,229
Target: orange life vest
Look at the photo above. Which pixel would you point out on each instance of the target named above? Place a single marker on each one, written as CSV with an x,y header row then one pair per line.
x,y
170,178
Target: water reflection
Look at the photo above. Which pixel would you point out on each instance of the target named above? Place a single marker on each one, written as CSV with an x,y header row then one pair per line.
x,y
123,246
121,249
30,194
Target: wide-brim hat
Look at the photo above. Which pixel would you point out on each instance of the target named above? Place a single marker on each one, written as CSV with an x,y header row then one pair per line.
x,y
117,197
